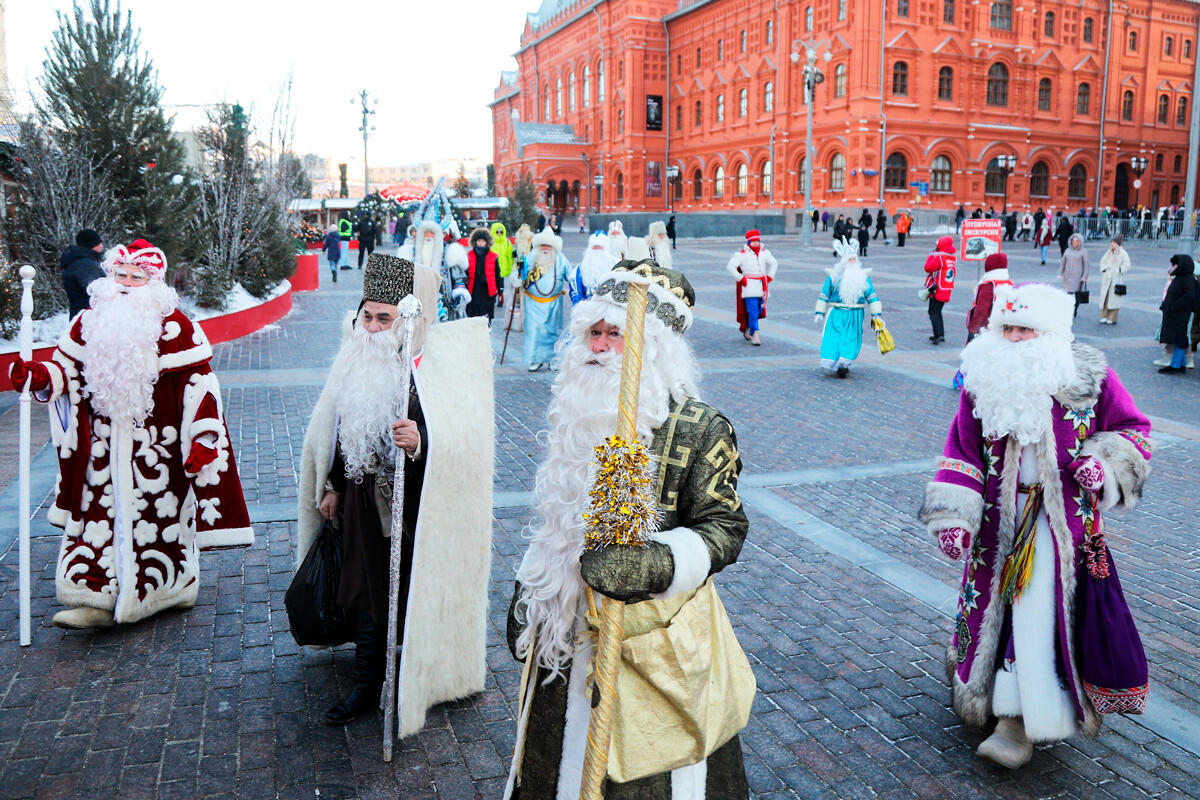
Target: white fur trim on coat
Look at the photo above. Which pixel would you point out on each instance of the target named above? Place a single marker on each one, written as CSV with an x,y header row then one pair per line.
x,y
693,563
546,236
1125,469
948,505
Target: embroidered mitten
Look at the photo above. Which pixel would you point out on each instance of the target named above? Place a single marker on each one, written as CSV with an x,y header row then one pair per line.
x,y
630,574
954,542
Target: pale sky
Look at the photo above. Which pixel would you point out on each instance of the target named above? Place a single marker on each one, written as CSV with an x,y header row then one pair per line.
x,y
433,65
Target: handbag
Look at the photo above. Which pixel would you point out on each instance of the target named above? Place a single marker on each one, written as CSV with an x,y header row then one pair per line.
x,y
1083,296
1112,660
1119,289
883,337
684,689
314,616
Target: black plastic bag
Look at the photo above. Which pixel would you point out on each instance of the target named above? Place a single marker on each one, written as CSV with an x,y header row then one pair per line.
x,y
311,600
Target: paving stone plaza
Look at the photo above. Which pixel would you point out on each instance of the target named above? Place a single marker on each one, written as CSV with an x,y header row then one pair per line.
x,y
842,602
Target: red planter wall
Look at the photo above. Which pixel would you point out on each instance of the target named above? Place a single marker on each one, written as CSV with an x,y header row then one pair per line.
x,y
306,278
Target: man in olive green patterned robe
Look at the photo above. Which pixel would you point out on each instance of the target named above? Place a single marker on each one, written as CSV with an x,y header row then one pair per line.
x,y
701,531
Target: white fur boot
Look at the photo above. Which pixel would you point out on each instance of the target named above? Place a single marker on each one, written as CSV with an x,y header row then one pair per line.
x,y
1007,746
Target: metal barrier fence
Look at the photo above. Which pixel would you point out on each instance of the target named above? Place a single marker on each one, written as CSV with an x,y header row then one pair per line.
x,y
1164,233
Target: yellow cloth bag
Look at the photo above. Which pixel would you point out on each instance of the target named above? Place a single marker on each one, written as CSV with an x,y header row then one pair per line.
x,y
883,337
685,686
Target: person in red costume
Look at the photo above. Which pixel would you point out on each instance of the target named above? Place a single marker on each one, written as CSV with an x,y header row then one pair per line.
x,y
753,267
939,283
147,476
995,273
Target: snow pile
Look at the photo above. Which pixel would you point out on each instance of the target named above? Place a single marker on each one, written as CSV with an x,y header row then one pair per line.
x,y
45,332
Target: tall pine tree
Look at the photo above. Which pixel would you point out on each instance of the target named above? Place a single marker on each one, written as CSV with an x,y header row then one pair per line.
x,y
101,90
522,206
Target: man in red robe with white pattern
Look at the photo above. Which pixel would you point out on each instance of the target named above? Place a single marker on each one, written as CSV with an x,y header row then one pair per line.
x,y
147,476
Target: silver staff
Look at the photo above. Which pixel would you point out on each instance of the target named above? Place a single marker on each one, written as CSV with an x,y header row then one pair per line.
x,y
410,312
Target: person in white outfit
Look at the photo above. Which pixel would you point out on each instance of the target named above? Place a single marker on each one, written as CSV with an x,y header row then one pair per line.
x,y
753,267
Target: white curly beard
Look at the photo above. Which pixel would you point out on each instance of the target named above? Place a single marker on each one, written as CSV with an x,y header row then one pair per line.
x,y
366,379
582,414
120,334
1013,383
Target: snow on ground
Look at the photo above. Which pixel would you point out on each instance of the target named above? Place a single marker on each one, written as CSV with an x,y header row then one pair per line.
x,y
47,331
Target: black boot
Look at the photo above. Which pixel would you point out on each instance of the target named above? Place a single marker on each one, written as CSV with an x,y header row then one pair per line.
x,y
370,647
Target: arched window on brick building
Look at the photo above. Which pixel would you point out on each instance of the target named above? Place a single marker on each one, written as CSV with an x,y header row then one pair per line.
x,y
808,18
1127,105
1045,90
768,178
1164,108
600,82
1002,14
895,172
997,82
1083,99
697,185
837,173
948,12
1175,194
900,78
1089,27
1049,24
720,108
801,186
743,180
1181,115
1077,182
770,31
1168,46
1039,180
571,92
945,83
546,103
620,187
942,173
742,42
587,85
558,97
678,117
699,114
743,103
620,122
839,80
719,182
768,97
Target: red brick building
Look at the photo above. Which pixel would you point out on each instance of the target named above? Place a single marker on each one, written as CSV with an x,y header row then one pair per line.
x,y
697,105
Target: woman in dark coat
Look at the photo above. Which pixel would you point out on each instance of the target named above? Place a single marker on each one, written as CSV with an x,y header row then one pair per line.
x,y
1063,234
1176,308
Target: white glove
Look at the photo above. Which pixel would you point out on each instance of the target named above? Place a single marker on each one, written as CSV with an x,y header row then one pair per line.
x,y
818,318
460,296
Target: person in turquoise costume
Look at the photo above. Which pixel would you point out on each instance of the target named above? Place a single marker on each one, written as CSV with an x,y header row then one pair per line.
x,y
545,274
845,298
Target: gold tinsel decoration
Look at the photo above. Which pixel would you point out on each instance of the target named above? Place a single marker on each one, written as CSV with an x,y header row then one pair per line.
x,y
622,510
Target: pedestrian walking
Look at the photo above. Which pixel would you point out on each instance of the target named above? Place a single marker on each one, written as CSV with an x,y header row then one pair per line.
x,y
333,250
753,268
902,226
1073,269
995,274
1026,227
1113,266
881,226
824,221
940,272
864,238
846,296
1019,494
1063,233
671,230
345,233
815,219
484,280
959,216
1010,227
582,223
1177,306
367,233
1043,238
80,265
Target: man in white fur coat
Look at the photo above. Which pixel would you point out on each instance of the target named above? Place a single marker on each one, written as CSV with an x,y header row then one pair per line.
x,y
655,246
1045,441
147,476
429,248
701,532
352,451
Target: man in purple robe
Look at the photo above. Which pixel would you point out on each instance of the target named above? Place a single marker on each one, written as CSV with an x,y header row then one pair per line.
x,y
1045,440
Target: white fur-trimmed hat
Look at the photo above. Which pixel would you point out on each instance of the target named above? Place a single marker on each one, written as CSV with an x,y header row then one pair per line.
x,y
1045,309
547,237
670,295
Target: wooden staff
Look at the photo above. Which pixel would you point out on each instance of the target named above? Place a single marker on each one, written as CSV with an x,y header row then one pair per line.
x,y
512,311
410,313
25,347
608,645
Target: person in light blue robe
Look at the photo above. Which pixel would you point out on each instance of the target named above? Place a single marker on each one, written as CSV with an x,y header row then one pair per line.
x,y
545,275
845,297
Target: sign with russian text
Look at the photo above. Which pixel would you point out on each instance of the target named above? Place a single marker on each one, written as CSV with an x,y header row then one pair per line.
x,y
980,238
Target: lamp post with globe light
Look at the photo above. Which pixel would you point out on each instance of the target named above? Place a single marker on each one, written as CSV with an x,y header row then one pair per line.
x,y
1139,164
366,129
1006,164
812,49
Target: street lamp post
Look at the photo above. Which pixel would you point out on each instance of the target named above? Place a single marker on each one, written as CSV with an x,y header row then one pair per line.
x,y
1007,164
366,129
812,76
587,171
1138,163
672,177
598,182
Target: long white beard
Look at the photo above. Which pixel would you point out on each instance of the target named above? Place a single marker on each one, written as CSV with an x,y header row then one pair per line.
x,y
582,414
596,263
852,284
120,334
545,260
368,383
428,254
1013,383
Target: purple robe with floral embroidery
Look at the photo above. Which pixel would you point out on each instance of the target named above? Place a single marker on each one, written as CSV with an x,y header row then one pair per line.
x,y
976,488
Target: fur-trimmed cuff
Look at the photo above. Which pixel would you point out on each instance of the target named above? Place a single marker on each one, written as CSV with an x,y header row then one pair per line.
x,y
224,537
1125,468
949,505
691,556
